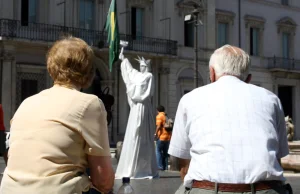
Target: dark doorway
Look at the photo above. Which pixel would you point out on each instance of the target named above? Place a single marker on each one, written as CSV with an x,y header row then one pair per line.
x,y
285,94
189,34
29,88
24,12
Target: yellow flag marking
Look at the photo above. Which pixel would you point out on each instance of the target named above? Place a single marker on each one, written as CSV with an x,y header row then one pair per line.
x,y
113,25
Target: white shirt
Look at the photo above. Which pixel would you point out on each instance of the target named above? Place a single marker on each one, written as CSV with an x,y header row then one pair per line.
x,y
233,132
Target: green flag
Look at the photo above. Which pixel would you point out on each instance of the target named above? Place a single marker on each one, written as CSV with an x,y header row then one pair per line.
x,y
113,36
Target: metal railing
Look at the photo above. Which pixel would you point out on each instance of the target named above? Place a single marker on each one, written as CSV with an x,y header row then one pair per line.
x,y
50,33
283,63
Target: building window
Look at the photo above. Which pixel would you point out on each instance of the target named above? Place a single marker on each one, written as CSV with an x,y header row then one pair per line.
x,y
137,22
188,34
286,28
285,45
86,14
32,10
254,41
224,24
255,34
222,34
285,2
28,12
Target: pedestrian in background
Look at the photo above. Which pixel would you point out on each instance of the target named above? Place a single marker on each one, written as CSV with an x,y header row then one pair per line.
x,y
230,135
60,132
162,139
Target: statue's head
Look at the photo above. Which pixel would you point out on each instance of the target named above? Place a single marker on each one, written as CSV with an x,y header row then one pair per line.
x,y
144,64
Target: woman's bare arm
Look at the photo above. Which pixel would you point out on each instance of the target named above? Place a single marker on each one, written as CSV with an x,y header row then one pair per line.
x,y
101,172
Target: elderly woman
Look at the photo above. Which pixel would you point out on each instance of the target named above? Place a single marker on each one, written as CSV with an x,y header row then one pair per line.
x,y
58,133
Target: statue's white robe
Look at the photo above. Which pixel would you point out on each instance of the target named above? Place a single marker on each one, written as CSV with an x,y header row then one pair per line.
x,y
138,158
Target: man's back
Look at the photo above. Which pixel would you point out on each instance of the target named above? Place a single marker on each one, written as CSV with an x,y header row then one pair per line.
x,y
234,132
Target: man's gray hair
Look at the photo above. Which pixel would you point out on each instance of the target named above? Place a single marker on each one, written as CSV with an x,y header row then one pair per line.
x,y
230,60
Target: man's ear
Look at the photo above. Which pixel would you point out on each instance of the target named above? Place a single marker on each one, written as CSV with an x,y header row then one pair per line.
x,y
212,74
248,79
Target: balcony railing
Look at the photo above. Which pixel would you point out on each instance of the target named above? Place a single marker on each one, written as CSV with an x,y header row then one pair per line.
x,y
283,63
50,33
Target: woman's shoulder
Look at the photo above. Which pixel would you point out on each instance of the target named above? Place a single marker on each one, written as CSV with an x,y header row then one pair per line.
x,y
64,92
89,99
70,97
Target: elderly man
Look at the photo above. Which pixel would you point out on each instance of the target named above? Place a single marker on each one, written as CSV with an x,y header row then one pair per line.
x,y
229,136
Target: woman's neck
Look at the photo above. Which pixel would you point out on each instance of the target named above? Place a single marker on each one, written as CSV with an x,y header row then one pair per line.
x,y
70,86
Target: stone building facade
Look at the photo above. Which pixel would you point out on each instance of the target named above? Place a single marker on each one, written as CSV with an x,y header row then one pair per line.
x,y
267,29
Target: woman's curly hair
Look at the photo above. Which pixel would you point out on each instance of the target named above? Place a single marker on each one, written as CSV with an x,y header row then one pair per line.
x,y
69,63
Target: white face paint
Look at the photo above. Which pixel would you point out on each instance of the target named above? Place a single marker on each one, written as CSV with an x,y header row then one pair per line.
x,y
143,68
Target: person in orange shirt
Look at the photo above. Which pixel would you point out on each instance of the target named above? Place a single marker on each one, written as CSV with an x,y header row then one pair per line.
x,y
163,139
3,150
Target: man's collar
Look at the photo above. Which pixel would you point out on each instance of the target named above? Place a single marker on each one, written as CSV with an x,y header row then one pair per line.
x,y
228,77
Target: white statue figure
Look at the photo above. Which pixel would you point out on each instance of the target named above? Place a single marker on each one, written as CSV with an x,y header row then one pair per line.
x,y
138,158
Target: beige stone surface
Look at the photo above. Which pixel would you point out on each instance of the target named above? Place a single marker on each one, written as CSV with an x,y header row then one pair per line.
x,y
292,161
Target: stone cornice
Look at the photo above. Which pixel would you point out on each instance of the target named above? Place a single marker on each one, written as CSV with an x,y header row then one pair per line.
x,y
254,21
287,20
191,3
287,25
185,7
225,16
7,55
277,5
140,2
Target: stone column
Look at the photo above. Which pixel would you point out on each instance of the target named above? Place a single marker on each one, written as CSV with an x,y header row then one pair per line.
x,y
7,9
211,24
75,14
8,85
17,10
155,72
163,92
297,113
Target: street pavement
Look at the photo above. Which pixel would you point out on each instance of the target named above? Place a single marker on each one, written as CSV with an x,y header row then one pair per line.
x,y
169,182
